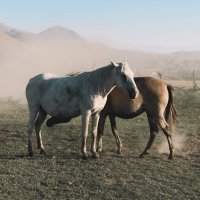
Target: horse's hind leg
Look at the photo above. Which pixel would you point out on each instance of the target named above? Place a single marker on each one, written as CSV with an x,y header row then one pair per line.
x,y
164,126
169,140
53,120
153,131
115,133
33,113
38,124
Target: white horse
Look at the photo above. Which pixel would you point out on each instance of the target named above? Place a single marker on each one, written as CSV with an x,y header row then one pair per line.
x,y
66,97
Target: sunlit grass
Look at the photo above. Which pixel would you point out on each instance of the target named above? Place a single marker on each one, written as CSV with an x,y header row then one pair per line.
x,y
62,174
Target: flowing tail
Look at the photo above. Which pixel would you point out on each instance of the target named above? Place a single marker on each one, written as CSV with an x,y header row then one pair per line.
x,y
170,111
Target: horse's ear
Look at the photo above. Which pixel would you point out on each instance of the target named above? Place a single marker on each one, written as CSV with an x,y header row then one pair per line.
x,y
114,64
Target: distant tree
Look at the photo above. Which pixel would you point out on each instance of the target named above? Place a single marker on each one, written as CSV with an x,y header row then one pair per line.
x,y
195,85
138,72
94,66
160,74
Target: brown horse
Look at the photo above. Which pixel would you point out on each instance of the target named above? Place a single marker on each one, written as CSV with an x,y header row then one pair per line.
x,y
156,98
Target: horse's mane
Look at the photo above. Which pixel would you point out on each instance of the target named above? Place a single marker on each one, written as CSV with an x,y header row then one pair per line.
x,y
101,73
95,74
96,77
73,73
99,77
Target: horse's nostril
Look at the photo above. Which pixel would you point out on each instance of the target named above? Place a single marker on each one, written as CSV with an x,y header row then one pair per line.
x,y
132,94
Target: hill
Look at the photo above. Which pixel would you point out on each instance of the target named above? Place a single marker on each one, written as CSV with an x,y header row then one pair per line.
x,y
15,33
60,50
60,33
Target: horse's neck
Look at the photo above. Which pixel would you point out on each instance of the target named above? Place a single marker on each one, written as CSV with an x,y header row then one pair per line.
x,y
108,86
106,81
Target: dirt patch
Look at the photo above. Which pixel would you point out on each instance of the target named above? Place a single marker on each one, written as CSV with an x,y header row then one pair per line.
x,y
5,136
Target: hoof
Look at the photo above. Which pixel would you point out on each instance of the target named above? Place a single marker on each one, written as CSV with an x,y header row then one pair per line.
x,y
30,154
42,151
84,156
170,157
49,123
141,155
95,156
99,149
119,152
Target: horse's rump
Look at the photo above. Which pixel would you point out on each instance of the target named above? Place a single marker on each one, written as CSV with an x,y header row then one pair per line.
x,y
170,111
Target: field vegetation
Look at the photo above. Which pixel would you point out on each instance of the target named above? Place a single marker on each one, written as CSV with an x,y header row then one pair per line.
x,y
62,174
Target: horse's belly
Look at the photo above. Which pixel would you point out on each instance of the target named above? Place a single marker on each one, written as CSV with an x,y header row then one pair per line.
x,y
62,110
67,112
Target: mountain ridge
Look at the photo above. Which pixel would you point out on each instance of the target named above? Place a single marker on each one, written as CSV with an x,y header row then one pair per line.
x,y
56,32
60,50
60,32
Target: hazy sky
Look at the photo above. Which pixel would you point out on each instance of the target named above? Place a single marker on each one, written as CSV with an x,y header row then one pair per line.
x,y
149,25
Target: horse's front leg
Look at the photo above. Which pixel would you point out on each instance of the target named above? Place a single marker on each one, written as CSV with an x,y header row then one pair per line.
x,y
153,132
100,130
95,120
85,122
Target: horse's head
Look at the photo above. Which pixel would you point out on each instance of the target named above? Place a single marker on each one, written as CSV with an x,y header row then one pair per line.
x,y
124,79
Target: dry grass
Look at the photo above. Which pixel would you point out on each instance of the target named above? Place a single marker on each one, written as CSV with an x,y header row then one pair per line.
x,y
62,174
182,83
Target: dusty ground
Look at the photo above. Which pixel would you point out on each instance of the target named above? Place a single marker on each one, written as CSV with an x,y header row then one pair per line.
x,y
62,174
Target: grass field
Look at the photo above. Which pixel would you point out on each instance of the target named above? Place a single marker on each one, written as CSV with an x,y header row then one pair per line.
x,y
62,174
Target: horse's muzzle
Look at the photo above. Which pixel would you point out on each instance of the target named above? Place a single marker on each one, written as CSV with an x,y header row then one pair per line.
x,y
133,94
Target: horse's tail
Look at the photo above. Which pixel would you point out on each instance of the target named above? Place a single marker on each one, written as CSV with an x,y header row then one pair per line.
x,y
170,111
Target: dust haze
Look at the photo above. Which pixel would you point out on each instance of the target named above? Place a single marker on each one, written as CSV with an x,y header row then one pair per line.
x,y
60,50
178,142
22,59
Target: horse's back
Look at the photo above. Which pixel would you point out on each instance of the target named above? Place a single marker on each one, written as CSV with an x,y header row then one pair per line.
x,y
40,79
39,84
57,95
150,84
153,96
